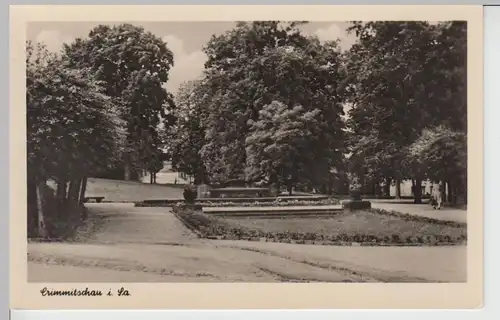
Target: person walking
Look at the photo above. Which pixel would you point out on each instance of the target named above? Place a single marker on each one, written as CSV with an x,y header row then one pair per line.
x,y
437,196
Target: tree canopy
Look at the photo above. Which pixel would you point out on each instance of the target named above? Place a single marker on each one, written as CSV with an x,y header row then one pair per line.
x,y
133,65
255,64
403,79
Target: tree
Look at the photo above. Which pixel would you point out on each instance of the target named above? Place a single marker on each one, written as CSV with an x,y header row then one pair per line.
x,y
72,127
133,65
281,147
235,86
405,77
253,65
390,71
188,134
442,154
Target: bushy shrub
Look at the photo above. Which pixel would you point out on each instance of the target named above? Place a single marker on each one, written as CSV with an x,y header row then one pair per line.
x,y
190,193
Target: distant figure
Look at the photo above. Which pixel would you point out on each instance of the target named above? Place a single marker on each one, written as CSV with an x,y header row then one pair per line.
x,y
437,196
175,181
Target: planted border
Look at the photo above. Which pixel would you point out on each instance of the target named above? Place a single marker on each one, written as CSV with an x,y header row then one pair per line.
x,y
209,227
250,202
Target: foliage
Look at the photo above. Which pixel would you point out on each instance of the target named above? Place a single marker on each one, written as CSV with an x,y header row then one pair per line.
x,y
187,136
73,128
387,67
280,146
282,203
403,78
133,65
190,193
253,65
72,125
441,153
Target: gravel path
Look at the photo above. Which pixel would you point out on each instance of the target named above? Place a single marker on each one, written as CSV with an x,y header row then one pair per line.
x,y
128,244
424,210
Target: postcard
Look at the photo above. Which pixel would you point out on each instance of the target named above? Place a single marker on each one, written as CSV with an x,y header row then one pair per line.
x,y
246,157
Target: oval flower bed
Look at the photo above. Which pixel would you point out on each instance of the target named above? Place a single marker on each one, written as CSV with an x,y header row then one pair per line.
x,y
256,229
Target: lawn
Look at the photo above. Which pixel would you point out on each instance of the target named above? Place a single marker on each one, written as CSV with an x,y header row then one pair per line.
x,y
117,190
369,226
358,222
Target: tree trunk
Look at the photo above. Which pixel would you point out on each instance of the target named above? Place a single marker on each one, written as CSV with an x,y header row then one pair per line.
x,y
330,185
387,187
290,188
32,207
74,192
454,191
398,189
62,187
154,178
449,196
151,177
61,193
83,189
42,230
417,193
376,189
126,169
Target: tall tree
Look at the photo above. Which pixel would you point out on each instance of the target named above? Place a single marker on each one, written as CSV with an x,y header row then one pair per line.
x,y
72,126
236,86
389,71
253,65
405,77
133,65
283,146
188,134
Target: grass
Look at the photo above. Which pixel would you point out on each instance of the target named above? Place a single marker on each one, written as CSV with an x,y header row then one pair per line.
x,y
368,226
358,222
117,190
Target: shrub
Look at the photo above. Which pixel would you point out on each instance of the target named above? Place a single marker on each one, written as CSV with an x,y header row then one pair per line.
x,y
190,193
356,204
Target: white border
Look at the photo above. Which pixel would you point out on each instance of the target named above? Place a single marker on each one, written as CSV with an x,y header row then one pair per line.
x,y
492,159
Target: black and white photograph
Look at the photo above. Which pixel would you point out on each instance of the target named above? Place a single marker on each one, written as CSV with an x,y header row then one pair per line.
x,y
247,151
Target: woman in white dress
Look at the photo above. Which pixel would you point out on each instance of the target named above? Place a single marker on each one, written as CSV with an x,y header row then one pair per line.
x,y
437,195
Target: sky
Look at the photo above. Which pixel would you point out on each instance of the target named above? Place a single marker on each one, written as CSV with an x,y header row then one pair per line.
x,y
184,39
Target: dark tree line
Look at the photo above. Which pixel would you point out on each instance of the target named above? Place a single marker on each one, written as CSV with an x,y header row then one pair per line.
x,y
270,104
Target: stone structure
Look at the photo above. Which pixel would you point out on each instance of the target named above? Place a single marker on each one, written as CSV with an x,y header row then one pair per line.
x,y
239,192
203,191
355,202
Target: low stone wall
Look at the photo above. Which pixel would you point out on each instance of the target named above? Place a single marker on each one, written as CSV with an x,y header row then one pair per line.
x,y
282,211
170,202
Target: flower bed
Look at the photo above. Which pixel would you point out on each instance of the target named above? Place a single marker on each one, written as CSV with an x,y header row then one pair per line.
x,y
392,230
279,202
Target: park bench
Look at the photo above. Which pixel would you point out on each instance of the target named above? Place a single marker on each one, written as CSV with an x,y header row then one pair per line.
x,y
96,199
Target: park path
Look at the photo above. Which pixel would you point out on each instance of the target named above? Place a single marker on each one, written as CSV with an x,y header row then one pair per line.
x,y
122,243
422,210
120,223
